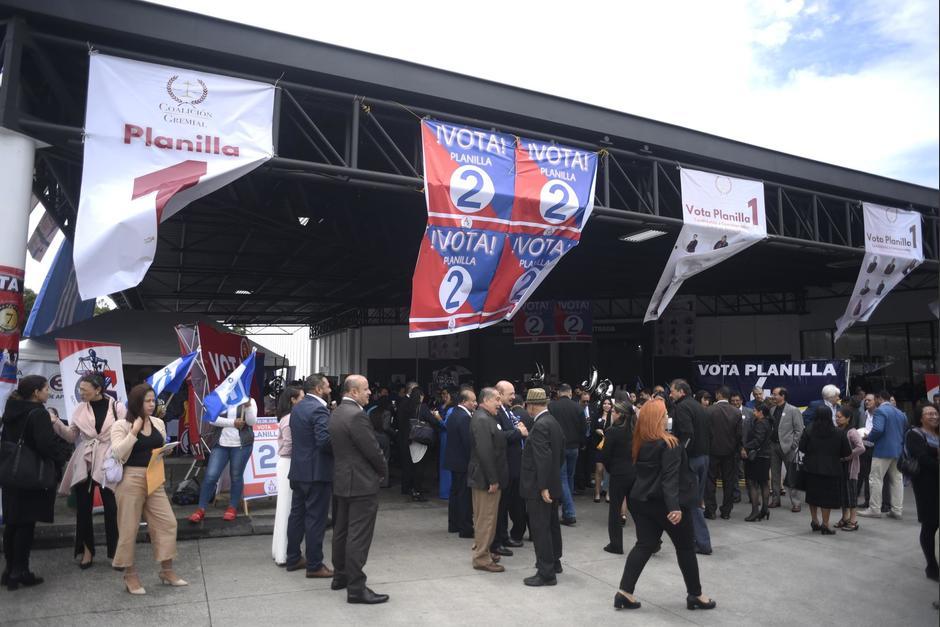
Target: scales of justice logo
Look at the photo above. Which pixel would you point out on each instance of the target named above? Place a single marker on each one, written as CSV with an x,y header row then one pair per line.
x,y
187,91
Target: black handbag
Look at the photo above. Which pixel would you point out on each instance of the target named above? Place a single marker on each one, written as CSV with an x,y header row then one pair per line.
x,y
421,432
908,465
21,468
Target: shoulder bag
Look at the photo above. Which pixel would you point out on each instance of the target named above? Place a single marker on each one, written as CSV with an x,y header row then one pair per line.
x,y
22,468
907,464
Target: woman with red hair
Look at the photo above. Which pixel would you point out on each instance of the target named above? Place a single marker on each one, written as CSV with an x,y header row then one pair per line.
x,y
661,499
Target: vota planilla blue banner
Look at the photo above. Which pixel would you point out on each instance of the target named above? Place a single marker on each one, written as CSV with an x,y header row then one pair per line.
x,y
804,380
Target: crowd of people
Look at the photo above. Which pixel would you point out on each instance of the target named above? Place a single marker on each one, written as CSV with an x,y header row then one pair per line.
x,y
509,464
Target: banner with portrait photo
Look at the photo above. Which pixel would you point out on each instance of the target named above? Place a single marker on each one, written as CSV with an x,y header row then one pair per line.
x,y
894,248
721,217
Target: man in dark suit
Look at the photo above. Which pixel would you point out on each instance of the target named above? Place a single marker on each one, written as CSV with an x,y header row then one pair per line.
x,y
360,467
456,457
724,421
487,475
570,417
510,503
311,478
540,484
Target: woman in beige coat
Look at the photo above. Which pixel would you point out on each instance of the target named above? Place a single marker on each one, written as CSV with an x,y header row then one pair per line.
x,y
133,441
90,430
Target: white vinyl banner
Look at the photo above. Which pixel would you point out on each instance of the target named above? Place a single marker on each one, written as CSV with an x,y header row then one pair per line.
x,y
80,357
156,139
893,249
49,370
722,216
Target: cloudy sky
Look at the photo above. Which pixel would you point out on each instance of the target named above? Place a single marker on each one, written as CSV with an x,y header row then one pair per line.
x,y
850,82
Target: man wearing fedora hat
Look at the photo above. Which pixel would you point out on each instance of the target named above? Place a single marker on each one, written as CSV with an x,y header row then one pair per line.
x,y
540,485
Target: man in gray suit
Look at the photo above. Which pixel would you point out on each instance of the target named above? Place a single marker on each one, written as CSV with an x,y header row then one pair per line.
x,y
785,438
359,468
487,474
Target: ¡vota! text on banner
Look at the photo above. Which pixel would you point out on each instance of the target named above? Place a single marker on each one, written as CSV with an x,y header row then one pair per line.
x,y
894,248
156,139
721,217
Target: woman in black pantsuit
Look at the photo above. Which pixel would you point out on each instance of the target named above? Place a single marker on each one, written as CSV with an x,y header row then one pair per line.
x,y
617,457
660,500
824,447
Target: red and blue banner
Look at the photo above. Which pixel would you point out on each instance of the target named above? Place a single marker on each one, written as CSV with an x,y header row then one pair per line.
x,y
501,213
553,321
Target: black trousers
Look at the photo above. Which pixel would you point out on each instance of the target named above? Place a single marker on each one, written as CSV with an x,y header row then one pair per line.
x,y
545,530
352,537
17,545
618,489
307,521
459,505
506,499
726,469
650,520
517,512
864,471
404,460
84,527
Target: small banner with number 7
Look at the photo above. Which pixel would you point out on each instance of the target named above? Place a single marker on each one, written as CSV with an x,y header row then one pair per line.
x,y
156,139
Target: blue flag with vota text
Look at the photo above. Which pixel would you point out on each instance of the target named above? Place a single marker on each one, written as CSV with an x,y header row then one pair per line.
x,y
804,380
58,303
234,390
170,378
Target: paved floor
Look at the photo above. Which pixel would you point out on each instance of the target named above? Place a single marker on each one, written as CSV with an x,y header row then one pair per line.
x,y
774,572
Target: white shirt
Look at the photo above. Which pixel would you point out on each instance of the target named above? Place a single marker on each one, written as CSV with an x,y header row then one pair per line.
x,y
317,398
230,436
544,411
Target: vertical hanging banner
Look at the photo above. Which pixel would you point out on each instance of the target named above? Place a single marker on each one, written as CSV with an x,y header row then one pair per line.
x,y
469,178
554,197
156,139
893,249
11,322
80,357
722,216
501,214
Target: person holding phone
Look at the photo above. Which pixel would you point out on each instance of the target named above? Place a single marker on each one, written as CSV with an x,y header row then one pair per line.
x,y
133,441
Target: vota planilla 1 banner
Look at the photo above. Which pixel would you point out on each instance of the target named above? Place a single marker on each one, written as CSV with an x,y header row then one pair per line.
x,y
501,213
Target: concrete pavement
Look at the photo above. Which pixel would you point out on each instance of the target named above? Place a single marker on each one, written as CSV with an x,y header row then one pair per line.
x,y
776,572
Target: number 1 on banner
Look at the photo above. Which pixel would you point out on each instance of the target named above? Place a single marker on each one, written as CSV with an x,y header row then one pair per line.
x,y
168,182
752,203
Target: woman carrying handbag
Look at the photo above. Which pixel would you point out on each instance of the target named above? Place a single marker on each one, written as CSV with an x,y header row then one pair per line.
x,y
26,425
756,456
90,430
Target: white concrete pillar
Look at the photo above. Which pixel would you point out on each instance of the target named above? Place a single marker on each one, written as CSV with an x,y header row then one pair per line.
x,y
17,153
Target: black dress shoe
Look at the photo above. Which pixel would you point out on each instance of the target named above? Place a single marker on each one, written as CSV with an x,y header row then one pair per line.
x,y
569,522
367,598
709,515
558,568
726,516
702,551
513,543
337,584
30,579
536,581
694,603
614,549
623,603
501,550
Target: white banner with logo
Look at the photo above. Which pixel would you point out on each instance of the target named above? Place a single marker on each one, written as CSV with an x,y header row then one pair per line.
x,y
156,139
722,216
894,247
80,357
51,371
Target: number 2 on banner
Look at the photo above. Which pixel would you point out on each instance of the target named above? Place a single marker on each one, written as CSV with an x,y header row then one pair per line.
x,y
168,182
534,325
455,289
522,284
557,202
471,188
266,459
574,325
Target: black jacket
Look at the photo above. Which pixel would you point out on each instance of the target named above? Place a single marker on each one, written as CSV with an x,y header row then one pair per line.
x,y
26,506
663,474
823,451
359,462
758,436
541,459
513,441
571,418
617,454
691,424
457,453
488,453
725,427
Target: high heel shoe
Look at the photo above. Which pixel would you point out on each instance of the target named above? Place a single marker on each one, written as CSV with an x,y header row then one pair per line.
x,y
170,578
86,565
752,517
764,513
623,603
695,603
129,581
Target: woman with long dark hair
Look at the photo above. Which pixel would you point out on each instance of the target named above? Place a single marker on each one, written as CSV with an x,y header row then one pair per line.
x,y
923,444
823,447
660,500
25,417
600,422
756,456
90,430
416,411
133,441
290,396
617,458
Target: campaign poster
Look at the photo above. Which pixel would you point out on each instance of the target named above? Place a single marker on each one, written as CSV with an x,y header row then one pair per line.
x,y
261,471
53,373
553,321
804,380
11,323
78,358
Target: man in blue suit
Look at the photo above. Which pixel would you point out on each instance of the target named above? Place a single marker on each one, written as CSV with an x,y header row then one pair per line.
x,y
456,458
311,478
888,427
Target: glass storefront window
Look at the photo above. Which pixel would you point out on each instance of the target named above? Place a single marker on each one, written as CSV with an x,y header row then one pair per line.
x,y
817,344
921,344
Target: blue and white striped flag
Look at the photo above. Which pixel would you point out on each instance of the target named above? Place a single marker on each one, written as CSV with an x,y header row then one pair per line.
x,y
58,303
232,392
170,377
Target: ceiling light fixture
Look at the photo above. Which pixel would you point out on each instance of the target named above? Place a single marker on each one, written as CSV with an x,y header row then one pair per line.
x,y
641,236
243,292
303,221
